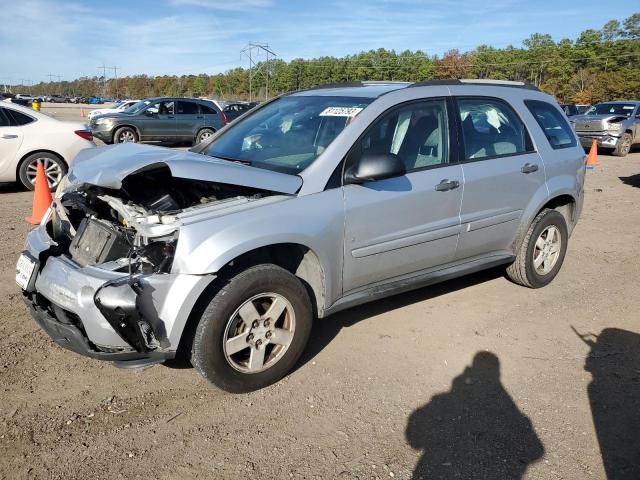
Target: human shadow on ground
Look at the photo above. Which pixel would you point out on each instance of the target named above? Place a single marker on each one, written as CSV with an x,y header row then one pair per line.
x,y
633,180
473,431
614,395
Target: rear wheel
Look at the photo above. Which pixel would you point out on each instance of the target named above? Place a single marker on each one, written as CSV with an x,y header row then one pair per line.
x,y
624,146
253,330
125,135
204,135
54,169
542,252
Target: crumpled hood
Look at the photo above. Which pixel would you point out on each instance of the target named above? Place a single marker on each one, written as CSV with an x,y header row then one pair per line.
x,y
108,166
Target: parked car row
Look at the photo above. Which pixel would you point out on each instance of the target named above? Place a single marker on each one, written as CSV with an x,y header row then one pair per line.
x,y
165,119
115,108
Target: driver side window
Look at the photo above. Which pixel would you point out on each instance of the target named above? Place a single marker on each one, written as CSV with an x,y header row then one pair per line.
x,y
417,133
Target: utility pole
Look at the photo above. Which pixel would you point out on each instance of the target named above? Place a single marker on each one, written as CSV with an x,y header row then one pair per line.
x,y
115,75
104,79
249,52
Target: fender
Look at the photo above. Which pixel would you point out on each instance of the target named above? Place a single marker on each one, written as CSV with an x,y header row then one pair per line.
x,y
313,221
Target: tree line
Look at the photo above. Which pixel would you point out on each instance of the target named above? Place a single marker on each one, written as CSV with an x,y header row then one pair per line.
x,y
599,65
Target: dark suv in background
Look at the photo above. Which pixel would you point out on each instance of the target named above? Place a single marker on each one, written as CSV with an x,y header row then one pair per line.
x,y
160,119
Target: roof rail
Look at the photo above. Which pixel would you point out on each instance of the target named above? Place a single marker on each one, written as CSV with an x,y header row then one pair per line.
x,y
478,81
335,85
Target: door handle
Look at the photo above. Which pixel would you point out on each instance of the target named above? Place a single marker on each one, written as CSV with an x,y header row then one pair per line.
x,y
445,185
529,168
199,117
8,136
171,116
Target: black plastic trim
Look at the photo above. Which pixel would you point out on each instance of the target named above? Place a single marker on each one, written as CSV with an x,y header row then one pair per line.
x,y
432,83
72,338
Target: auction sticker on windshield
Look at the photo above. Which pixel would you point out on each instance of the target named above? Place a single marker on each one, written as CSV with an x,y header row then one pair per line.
x,y
24,271
341,111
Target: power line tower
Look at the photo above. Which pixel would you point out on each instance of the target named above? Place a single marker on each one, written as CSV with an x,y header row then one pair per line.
x,y
115,75
104,79
252,51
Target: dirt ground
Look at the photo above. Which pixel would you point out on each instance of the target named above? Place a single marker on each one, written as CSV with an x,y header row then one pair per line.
x,y
473,378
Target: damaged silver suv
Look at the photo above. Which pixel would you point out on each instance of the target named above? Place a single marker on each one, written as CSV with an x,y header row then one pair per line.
x,y
311,203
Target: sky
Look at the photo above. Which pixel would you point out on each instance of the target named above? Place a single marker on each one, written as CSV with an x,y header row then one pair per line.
x,y
72,38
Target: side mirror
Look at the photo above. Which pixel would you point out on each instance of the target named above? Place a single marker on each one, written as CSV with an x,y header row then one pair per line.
x,y
149,113
375,167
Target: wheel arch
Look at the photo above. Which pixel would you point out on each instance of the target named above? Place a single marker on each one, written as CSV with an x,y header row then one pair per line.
x,y
296,258
563,202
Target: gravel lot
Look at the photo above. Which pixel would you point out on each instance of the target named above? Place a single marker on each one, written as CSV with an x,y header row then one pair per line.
x,y
473,378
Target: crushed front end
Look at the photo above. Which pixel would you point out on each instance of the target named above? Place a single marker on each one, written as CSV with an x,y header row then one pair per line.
x,y
97,274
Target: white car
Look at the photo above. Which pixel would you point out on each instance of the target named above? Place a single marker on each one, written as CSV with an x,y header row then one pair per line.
x,y
27,137
115,108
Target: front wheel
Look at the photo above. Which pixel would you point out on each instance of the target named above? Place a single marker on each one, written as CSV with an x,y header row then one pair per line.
x,y
254,329
623,147
542,252
125,135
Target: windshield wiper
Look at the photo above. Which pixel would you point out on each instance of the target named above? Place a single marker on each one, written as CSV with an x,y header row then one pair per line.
x,y
229,159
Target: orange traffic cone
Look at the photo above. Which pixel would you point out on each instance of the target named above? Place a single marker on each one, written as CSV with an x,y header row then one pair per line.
x,y
592,159
41,198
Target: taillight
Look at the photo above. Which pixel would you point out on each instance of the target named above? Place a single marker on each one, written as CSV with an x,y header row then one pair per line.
x,y
86,134
224,118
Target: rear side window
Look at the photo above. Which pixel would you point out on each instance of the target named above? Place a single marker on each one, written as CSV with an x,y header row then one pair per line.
x,y
490,128
20,118
207,110
552,123
4,120
187,108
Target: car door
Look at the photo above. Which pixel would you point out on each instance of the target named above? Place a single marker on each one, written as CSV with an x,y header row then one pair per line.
x,y
188,120
11,138
399,226
502,172
158,121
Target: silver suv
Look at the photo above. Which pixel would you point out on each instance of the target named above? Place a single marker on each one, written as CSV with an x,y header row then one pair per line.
x,y
312,203
613,125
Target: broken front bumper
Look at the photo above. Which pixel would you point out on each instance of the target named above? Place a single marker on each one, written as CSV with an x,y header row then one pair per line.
x,y
602,139
106,314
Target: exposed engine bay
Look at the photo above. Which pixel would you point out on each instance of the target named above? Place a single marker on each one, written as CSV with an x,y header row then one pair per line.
x,y
134,229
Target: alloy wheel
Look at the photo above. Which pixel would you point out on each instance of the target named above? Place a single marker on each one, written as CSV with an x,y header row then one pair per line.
x,y
52,170
259,333
547,250
127,136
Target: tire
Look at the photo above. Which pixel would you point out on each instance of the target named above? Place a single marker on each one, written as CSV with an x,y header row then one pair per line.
x,y
125,135
55,169
523,270
204,135
623,147
222,320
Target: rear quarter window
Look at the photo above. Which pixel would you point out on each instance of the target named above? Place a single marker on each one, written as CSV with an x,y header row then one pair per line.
x,y
552,123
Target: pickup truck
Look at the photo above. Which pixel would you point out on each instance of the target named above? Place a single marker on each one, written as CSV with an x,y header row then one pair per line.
x,y
613,125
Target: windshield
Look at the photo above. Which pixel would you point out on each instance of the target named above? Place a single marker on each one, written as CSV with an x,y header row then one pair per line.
x,y
288,134
117,105
137,107
625,109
